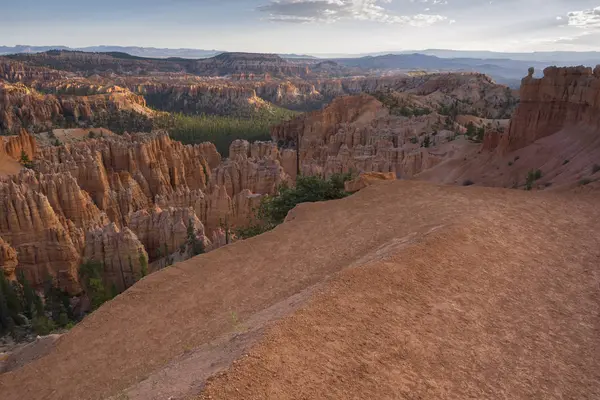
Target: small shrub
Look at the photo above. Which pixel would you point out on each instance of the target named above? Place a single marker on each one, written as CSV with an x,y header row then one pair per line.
x,y
25,161
585,181
91,135
532,176
426,142
517,158
595,168
565,162
414,140
510,163
468,182
43,325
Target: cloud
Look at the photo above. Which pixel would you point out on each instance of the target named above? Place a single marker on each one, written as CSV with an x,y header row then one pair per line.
x,y
329,11
586,19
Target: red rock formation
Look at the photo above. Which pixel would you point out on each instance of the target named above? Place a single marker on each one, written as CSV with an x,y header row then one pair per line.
x,y
121,253
564,97
46,243
356,133
8,260
22,107
165,231
14,146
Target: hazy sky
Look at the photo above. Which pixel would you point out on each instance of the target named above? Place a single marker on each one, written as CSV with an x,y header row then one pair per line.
x,y
306,26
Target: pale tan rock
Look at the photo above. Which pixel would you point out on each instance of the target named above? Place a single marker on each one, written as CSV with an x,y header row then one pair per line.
x,y
165,231
367,179
8,260
120,252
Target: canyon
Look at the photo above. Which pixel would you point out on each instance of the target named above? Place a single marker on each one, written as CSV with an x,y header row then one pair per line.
x,y
82,194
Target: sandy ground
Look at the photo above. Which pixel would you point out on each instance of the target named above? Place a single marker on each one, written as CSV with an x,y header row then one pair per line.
x,y
8,166
70,135
423,292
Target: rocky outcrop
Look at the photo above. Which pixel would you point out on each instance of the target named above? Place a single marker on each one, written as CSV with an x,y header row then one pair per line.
x,y
564,97
124,174
114,199
47,244
165,231
367,179
120,252
248,63
22,107
8,260
15,146
357,134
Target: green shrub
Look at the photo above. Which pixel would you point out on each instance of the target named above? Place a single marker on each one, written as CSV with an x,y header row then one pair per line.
x,y
43,325
273,209
532,176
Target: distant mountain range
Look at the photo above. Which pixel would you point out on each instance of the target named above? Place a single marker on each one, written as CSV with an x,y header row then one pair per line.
x,y
506,68
150,52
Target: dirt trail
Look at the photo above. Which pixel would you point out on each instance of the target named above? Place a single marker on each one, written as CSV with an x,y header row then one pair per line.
x,y
454,292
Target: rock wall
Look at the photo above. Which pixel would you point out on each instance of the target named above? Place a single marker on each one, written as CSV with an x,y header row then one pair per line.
x,y
14,146
115,199
8,260
357,134
564,97
22,107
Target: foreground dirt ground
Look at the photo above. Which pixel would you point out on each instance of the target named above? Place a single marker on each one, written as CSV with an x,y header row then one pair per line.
x,y
423,292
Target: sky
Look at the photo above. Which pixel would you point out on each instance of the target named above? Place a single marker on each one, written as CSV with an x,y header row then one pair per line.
x,y
306,26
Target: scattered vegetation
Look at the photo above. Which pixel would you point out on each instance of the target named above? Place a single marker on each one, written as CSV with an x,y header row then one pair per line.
x,y
25,161
468,182
90,274
195,244
585,181
23,310
400,107
475,134
532,177
426,142
273,209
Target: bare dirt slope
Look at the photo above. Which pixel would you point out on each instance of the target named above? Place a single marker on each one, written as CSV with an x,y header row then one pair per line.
x,y
456,293
565,158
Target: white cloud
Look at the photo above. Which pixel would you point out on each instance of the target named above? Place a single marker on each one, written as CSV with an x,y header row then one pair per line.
x,y
305,11
586,19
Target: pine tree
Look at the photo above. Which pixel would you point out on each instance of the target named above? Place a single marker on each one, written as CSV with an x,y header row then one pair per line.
x,y
143,265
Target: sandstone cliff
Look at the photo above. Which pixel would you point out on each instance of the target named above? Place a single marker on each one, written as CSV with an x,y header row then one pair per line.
x,y
15,146
114,199
357,134
563,98
22,107
8,260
